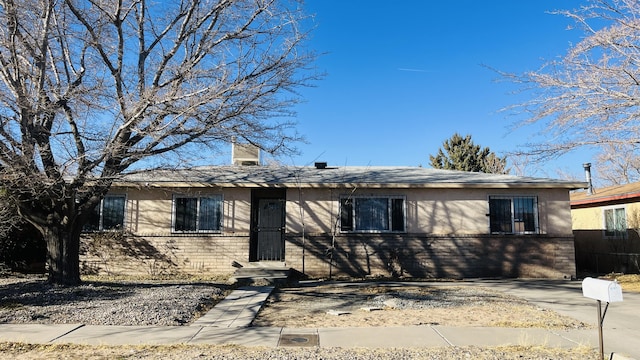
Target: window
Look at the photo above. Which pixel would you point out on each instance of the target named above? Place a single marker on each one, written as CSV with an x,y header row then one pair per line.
x,y
513,214
615,222
109,215
197,214
372,214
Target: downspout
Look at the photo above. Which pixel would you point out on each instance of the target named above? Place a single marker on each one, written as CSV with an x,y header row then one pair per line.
x,y
304,246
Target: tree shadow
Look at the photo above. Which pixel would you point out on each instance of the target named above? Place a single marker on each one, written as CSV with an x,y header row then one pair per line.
x,y
436,257
42,293
100,250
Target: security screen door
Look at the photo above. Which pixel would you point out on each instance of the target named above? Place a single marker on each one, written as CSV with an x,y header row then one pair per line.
x,y
270,228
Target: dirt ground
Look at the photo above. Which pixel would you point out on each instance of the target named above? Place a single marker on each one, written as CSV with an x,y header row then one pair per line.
x,y
395,304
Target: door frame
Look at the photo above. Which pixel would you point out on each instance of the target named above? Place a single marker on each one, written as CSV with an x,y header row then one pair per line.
x,y
256,196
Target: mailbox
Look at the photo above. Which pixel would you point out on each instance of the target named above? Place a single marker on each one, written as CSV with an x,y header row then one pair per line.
x,y
603,290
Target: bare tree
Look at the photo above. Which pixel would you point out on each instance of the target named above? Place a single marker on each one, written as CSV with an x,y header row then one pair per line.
x,y
590,97
619,164
94,88
521,164
9,219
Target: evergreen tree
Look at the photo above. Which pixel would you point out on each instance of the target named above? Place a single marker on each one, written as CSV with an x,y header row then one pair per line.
x,y
460,153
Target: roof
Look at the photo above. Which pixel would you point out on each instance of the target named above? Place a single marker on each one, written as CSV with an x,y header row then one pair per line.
x,y
625,192
352,176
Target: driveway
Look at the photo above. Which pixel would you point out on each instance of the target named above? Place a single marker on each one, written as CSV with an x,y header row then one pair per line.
x,y
621,327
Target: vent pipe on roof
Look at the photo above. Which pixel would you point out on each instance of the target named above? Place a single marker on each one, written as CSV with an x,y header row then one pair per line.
x,y
587,174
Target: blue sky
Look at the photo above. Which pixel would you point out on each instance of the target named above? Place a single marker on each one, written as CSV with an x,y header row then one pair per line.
x,y
403,76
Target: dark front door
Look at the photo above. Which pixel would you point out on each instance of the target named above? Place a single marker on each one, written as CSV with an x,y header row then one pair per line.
x,y
268,227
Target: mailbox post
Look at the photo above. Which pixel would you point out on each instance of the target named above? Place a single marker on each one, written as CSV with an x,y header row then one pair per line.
x,y
601,290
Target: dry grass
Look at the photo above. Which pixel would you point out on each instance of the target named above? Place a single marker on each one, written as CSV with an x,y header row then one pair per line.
x,y
629,282
183,352
302,307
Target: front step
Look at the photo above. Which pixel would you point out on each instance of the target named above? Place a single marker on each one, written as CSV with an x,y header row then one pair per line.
x,y
262,274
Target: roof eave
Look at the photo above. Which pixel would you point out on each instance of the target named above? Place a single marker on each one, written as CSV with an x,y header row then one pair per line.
x,y
442,185
605,199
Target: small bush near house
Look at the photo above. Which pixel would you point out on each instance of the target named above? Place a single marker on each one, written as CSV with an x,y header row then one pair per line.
x,y
23,250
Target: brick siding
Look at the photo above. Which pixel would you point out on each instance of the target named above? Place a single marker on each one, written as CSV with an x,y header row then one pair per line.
x,y
163,255
435,256
405,255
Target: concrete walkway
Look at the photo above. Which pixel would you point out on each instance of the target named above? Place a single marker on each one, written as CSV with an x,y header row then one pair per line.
x,y
238,309
227,323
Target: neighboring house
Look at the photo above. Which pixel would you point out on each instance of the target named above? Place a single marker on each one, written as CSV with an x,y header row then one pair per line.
x,y
606,224
338,221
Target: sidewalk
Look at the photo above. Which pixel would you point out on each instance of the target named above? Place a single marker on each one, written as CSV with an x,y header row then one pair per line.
x,y
227,324
409,336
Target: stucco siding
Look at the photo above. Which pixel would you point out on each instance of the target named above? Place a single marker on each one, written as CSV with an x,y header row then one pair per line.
x,y
149,211
315,209
428,211
555,212
592,218
587,218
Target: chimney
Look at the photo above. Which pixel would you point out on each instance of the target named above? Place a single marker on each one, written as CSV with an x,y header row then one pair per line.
x,y
245,154
320,165
587,174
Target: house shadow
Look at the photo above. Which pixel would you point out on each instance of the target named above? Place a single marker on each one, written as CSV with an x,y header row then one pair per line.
x,y
597,254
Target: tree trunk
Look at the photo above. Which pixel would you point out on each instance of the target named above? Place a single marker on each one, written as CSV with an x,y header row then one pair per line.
x,y
63,255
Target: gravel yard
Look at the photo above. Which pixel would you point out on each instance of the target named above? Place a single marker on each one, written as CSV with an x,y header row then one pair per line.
x,y
158,303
